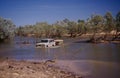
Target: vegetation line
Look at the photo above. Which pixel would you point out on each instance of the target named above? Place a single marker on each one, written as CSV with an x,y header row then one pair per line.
x,y
98,28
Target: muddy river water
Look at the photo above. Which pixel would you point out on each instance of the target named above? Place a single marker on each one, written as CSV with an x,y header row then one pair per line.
x,y
90,60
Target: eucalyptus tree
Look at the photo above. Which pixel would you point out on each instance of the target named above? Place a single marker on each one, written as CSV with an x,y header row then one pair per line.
x,y
109,23
81,28
6,29
118,22
96,23
27,30
24,30
19,31
88,26
47,30
66,20
38,29
117,27
72,28
42,29
59,29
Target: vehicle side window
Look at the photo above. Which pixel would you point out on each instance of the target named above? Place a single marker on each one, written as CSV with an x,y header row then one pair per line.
x,y
51,40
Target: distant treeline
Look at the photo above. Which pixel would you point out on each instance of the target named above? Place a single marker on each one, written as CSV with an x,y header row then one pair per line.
x,y
94,25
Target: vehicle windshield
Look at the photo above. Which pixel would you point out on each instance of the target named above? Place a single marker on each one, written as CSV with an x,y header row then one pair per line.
x,y
44,41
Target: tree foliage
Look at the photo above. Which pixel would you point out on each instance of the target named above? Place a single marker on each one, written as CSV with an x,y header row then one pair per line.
x,y
96,22
81,28
94,25
6,29
118,22
109,22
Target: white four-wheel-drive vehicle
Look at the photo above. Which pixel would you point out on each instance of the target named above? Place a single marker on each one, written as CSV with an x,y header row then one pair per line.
x,y
46,43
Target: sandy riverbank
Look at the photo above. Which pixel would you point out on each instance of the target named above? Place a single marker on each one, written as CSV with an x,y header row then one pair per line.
x,y
28,69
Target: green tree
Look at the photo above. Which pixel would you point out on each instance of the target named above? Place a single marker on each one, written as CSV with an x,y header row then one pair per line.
x,y
81,29
58,30
72,28
117,27
96,22
38,29
47,30
6,29
66,20
109,23
118,22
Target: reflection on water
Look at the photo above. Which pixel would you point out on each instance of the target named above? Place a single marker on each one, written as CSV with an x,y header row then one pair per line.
x,y
101,59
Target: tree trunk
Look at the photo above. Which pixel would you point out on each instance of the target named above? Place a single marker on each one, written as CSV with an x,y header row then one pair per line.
x,y
92,39
71,34
115,36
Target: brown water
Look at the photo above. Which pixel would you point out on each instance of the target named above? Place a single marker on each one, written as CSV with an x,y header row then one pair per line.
x,y
90,60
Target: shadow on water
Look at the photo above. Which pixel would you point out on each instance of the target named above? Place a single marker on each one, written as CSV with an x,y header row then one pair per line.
x,y
82,41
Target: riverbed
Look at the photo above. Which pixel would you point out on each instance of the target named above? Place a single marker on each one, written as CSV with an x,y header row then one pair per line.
x,y
89,60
